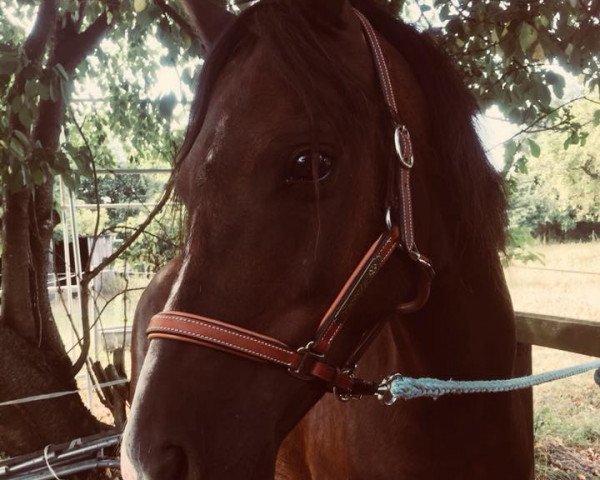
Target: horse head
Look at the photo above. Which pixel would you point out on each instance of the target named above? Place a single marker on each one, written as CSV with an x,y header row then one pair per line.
x,y
284,173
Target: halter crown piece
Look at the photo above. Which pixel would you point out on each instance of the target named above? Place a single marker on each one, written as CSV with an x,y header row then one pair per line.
x,y
310,361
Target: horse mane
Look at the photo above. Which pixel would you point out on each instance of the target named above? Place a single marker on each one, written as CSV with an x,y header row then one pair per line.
x,y
473,200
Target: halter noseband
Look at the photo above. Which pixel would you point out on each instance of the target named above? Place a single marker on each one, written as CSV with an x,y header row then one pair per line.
x,y
310,362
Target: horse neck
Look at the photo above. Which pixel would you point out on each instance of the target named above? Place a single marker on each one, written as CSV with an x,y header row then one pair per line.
x,y
466,330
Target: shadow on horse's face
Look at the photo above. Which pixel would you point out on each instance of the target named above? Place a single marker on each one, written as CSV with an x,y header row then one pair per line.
x,y
284,185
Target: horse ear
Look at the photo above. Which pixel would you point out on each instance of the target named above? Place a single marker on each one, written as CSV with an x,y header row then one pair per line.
x,y
209,19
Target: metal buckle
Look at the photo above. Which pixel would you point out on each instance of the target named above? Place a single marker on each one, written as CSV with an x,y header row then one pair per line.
x,y
384,393
307,352
414,255
388,218
401,137
345,396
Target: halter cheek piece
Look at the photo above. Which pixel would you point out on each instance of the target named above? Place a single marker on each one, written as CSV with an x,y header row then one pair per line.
x,y
310,362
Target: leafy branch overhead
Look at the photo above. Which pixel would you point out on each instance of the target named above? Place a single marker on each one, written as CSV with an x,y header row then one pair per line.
x,y
122,68
35,79
515,54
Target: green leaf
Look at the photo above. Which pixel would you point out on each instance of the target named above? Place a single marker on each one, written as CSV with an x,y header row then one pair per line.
x,y
43,91
31,88
9,64
597,117
559,90
534,148
521,165
552,78
52,91
139,5
542,94
64,88
569,49
444,12
166,105
17,149
71,181
16,104
557,82
511,148
22,138
527,36
38,176
25,117
538,53
62,72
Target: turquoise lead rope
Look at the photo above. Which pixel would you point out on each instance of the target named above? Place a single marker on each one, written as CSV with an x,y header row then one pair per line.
x,y
400,387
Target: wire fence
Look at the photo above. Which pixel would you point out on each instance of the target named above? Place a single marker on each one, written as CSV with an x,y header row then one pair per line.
x,y
557,270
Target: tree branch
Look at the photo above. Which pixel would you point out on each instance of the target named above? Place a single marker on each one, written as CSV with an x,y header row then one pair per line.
x,y
139,230
529,128
72,46
177,18
42,30
589,170
87,277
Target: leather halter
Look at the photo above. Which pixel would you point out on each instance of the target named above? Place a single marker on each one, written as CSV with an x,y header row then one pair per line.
x,y
310,361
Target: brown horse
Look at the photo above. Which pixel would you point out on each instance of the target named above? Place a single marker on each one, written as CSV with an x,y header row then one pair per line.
x,y
283,173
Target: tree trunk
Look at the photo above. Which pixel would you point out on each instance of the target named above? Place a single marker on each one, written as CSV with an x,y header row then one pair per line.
x,y
16,266
30,426
33,360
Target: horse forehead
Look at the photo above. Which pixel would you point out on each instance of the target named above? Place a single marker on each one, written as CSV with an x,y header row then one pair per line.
x,y
251,93
251,104
252,101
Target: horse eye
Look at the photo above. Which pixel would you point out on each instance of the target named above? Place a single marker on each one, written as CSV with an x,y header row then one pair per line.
x,y
307,167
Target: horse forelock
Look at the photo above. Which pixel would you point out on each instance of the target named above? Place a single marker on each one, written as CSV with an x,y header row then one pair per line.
x,y
294,34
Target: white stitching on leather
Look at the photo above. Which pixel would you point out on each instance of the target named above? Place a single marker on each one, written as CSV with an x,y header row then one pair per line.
x,y
219,342
382,70
221,329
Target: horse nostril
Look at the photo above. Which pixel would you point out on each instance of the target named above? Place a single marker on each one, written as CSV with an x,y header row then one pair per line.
x,y
168,463
173,464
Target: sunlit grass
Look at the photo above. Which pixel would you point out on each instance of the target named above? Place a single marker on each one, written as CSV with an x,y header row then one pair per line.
x,y
574,295
567,413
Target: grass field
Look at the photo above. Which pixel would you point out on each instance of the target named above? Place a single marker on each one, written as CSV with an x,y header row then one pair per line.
x,y
575,295
567,413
